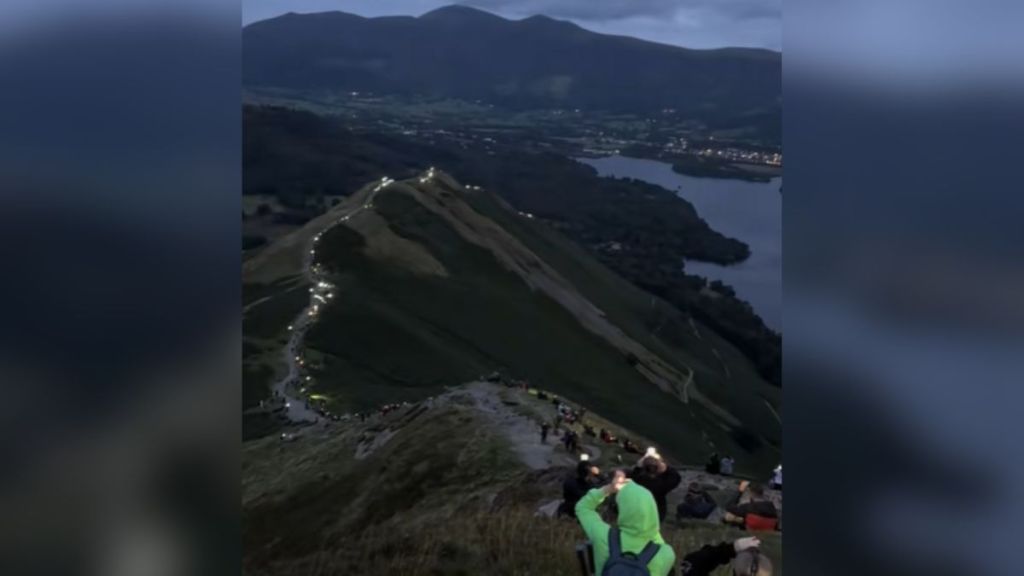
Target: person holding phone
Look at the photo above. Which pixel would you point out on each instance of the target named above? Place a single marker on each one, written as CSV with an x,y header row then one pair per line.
x,y
659,478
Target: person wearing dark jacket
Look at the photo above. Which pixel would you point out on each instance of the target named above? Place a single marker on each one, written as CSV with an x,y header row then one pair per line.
x,y
659,478
714,464
744,554
587,476
751,500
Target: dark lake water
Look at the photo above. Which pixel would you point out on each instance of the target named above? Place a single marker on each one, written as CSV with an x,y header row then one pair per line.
x,y
747,211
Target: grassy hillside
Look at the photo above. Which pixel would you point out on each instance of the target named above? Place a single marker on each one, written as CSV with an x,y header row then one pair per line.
x,y
434,488
640,230
438,285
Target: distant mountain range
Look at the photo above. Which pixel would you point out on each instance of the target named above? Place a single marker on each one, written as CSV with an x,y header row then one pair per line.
x,y
538,62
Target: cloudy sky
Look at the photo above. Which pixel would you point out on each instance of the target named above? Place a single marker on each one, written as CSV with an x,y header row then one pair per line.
x,y
690,23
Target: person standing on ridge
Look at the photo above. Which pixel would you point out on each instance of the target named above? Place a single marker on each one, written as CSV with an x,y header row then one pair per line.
x,y
714,464
634,545
776,481
544,428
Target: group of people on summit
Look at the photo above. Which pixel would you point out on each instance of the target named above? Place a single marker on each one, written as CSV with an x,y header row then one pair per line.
x,y
634,546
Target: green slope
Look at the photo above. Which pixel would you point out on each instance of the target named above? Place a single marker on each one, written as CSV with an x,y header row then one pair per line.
x,y
395,333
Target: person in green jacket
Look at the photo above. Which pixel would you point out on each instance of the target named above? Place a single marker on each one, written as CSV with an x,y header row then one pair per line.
x,y
638,523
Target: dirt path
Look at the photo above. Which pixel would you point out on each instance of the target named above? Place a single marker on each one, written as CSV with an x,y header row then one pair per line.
x,y
774,413
296,407
695,331
255,304
521,431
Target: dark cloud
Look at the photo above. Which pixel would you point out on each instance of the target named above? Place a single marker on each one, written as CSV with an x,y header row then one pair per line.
x,y
602,10
690,23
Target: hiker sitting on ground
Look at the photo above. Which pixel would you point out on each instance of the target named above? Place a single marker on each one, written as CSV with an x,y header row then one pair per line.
x,y
636,541
589,430
726,465
577,485
659,478
630,447
751,501
744,554
696,504
607,437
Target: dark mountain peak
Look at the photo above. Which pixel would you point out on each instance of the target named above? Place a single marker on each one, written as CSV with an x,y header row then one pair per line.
x,y
539,20
461,13
463,53
329,17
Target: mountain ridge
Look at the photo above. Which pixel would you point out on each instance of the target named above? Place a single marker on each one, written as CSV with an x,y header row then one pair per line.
x,y
533,63
437,283
463,10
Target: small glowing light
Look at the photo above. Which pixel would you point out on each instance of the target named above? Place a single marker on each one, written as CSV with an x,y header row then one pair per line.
x,y
287,404
584,457
308,378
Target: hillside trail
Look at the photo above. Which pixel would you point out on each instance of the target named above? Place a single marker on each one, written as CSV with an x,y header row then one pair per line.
x,y
297,409
522,432
523,435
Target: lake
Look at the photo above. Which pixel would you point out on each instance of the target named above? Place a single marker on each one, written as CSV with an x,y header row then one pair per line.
x,y
748,211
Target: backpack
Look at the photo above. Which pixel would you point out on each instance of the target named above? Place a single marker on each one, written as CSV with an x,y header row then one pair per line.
x,y
627,564
753,522
696,505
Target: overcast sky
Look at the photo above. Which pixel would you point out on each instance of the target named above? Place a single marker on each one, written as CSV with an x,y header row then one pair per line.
x,y
690,23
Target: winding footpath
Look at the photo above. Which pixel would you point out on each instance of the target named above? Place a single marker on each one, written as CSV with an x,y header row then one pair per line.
x,y
291,386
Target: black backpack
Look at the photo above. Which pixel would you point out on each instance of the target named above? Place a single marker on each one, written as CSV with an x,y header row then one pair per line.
x,y
627,564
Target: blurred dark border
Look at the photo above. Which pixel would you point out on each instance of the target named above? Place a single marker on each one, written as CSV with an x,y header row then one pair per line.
x,y
904,289
120,242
